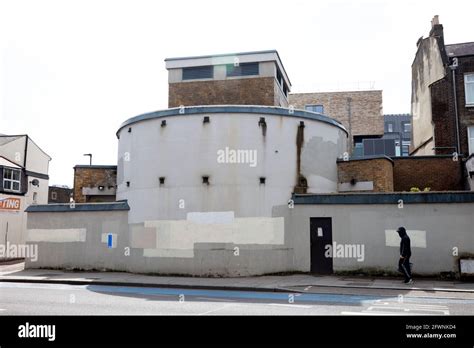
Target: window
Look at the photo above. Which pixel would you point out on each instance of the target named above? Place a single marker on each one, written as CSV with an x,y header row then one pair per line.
x,y
198,72
407,127
358,150
281,82
279,77
406,148
469,87
11,180
315,108
389,127
54,196
244,69
470,132
377,147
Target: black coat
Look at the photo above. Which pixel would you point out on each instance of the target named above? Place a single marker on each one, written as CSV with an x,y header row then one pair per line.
x,y
405,244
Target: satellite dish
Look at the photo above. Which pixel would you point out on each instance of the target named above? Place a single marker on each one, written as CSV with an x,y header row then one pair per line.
x,y
35,182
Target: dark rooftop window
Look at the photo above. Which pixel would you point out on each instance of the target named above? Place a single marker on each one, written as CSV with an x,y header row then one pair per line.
x,y
281,82
198,72
379,147
243,69
279,77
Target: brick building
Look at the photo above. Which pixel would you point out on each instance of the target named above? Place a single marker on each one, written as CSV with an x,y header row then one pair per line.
x,y
24,177
247,78
59,194
398,128
442,95
398,174
359,111
95,183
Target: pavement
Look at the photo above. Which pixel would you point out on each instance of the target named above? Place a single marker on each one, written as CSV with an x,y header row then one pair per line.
x,y
63,299
15,272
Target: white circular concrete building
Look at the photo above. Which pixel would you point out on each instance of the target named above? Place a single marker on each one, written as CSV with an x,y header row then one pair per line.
x,y
240,159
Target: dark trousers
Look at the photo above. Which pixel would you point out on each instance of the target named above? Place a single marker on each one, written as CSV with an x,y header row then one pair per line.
x,y
404,267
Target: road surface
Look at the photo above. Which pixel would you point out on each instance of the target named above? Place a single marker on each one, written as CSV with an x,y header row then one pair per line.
x,y
59,299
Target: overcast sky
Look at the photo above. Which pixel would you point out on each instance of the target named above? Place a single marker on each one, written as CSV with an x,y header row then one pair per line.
x,y
72,71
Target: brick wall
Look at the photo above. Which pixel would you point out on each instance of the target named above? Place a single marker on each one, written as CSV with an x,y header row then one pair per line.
x,y
439,173
443,109
377,170
59,194
444,125
242,91
466,114
366,109
86,176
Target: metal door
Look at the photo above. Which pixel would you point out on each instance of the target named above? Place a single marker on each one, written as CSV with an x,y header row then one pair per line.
x,y
321,235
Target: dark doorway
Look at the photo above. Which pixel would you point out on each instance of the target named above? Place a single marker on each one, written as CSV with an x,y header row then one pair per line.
x,y
321,235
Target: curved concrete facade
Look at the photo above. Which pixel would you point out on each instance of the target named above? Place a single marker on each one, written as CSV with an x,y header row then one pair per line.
x,y
186,149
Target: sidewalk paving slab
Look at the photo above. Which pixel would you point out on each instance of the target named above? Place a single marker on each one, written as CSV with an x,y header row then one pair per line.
x,y
279,283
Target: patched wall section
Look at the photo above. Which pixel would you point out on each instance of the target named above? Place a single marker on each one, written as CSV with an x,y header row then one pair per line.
x,y
206,244
174,238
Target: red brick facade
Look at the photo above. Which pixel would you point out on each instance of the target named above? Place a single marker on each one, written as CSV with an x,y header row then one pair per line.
x,y
443,109
439,173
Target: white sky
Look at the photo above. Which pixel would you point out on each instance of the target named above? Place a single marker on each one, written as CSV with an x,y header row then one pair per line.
x,y
72,71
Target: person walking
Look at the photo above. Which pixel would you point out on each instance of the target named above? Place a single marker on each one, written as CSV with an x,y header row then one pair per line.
x,y
405,254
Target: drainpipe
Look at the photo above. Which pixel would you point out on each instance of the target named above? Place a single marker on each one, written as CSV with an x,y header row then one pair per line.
x,y
400,137
349,112
453,69
26,151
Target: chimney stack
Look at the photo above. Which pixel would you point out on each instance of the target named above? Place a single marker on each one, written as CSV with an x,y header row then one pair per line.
x,y
436,28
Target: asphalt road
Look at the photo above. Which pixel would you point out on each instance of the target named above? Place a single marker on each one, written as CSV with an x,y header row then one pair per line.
x,y
57,299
